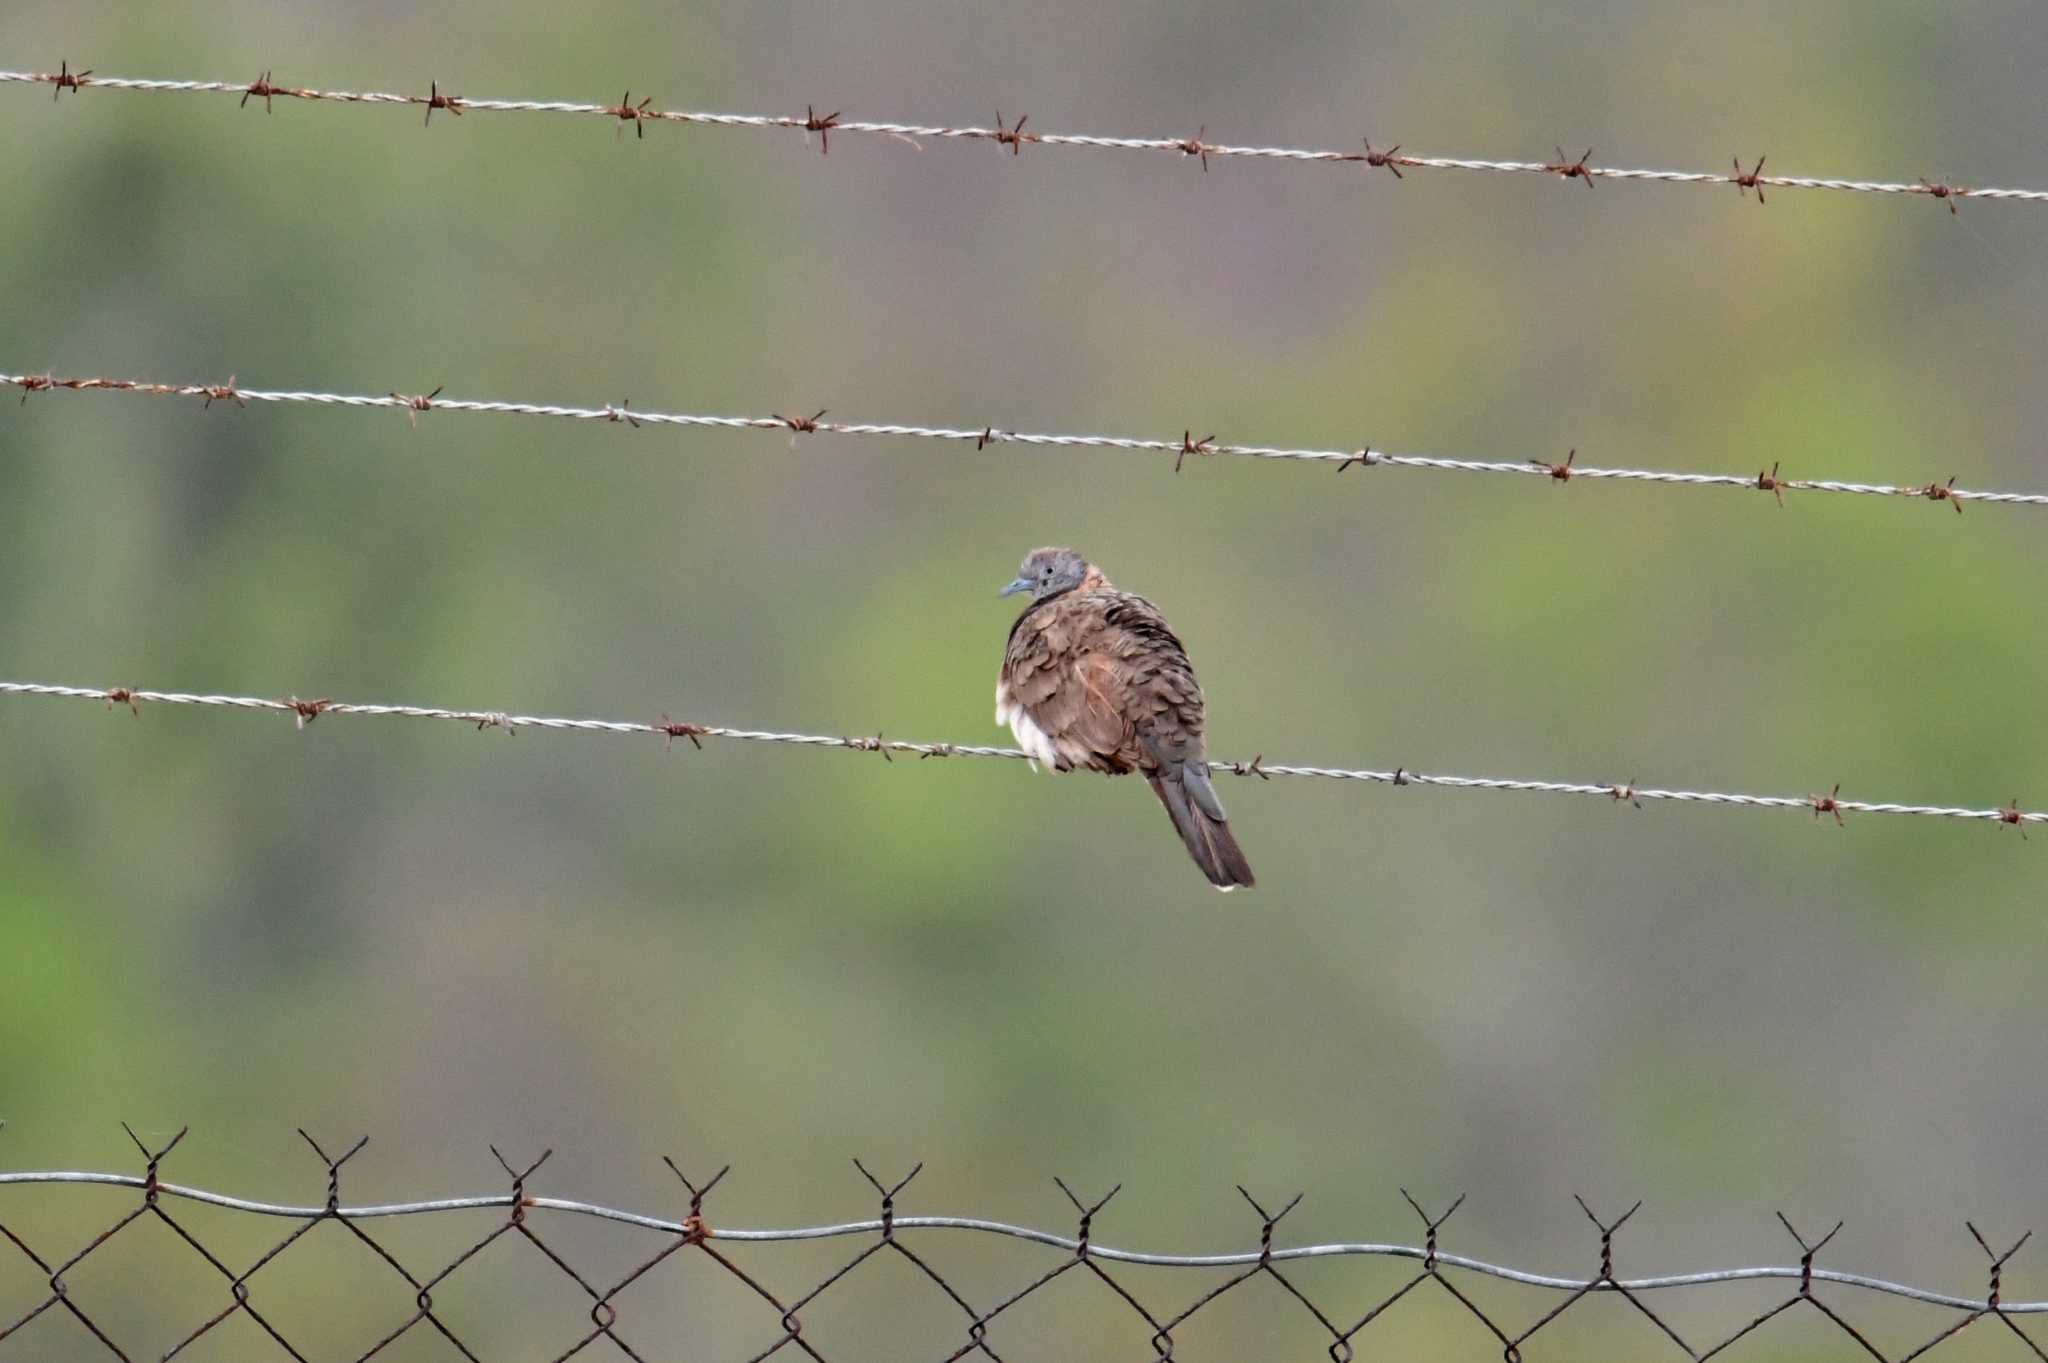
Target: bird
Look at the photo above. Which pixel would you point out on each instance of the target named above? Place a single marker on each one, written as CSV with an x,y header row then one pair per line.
x,y
1093,678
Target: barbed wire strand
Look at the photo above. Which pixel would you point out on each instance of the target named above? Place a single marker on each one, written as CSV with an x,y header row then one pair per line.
x,y
1013,136
305,711
1569,470
696,1232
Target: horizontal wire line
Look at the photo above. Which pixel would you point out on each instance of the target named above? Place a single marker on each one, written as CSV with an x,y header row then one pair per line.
x,y
1014,137
1570,471
307,710
1096,1249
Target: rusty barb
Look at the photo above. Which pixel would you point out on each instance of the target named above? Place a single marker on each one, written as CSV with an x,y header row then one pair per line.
x,y
1572,170
67,79
1013,136
1945,192
1943,492
675,729
821,126
415,404
626,111
919,1240
436,100
306,711
1752,179
1390,159
1772,483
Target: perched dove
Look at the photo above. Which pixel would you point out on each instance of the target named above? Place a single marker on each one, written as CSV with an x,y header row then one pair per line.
x,y
1092,677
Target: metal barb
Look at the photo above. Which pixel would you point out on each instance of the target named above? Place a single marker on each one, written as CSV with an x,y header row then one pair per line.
x,y
626,111
2012,815
1942,190
822,127
1944,492
260,88
1772,483
675,729
436,100
306,711
1014,137
67,79
416,403
1377,159
1751,180
1573,170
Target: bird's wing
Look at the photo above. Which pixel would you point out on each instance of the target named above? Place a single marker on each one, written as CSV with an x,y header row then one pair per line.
x,y
1100,675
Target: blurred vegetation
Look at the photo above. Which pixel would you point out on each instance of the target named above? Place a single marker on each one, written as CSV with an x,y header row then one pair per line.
x,y
783,959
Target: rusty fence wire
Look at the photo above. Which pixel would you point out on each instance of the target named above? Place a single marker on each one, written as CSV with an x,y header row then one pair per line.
x,y
1011,136
304,712
917,1240
1552,471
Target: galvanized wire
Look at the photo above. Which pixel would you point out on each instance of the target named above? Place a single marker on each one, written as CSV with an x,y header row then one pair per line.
x,y
1182,449
1013,137
305,711
891,1229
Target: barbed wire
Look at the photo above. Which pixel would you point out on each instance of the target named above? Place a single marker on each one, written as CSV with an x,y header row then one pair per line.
x,y
1012,136
1565,471
887,1231
306,711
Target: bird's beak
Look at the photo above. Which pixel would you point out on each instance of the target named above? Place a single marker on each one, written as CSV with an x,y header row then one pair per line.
x,y
1022,584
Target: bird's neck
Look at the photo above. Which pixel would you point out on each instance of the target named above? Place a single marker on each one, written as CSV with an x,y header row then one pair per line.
x,y
1092,580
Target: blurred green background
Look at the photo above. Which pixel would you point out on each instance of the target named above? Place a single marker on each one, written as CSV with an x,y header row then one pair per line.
x,y
785,959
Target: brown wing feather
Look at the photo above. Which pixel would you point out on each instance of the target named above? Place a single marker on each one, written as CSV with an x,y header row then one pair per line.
x,y
1101,675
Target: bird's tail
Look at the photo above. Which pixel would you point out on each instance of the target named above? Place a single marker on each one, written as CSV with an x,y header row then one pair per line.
x,y
1198,817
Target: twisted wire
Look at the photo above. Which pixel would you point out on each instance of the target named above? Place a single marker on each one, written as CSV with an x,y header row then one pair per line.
x,y
306,711
1181,449
1014,137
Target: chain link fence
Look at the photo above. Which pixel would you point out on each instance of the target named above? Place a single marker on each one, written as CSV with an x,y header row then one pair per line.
x,y
775,1308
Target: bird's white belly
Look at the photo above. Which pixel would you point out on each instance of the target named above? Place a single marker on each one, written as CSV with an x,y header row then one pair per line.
x,y
1030,737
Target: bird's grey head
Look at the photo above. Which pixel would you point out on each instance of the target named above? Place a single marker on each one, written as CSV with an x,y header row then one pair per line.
x,y
1048,572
